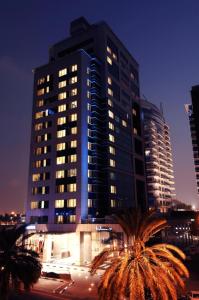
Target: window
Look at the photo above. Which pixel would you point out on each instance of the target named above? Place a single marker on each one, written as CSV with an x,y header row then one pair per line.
x,y
113,203
62,84
108,50
112,163
62,96
40,92
61,133
109,80
111,138
111,114
40,102
59,203
135,131
73,104
88,107
113,189
62,108
35,177
134,112
72,158
73,80
73,144
71,202
111,150
61,121
41,80
34,205
60,174
110,92
72,218
39,115
73,117
48,78
88,95
61,146
38,126
109,60
89,159
62,72
110,102
90,188
124,123
47,89
74,68
60,188
74,130
72,172
89,119
110,126
89,146
72,187
60,219
60,160
73,92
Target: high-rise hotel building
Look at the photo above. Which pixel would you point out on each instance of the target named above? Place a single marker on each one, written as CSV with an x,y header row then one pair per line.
x,y
86,158
193,113
159,163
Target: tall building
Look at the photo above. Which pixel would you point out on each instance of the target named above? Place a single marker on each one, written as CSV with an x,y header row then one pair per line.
x,y
159,164
86,158
193,113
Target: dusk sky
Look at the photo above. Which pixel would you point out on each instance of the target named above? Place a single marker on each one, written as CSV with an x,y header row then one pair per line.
x,y
161,34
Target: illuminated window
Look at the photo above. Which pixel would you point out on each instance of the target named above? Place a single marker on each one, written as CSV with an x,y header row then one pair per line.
x,y
89,159
73,104
109,60
109,80
88,82
61,121
62,108
40,92
38,164
73,144
113,189
73,80
134,112
111,114
111,150
113,203
35,177
34,205
124,123
39,115
72,158
60,160
60,174
110,102
135,131
47,89
60,219
71,202
61,133
40,103
60,188
38,126
90,188
61,146
90,204
72,187
88,95
72,172
110,92
62,84
89,119
114,56
73,92
111,138
89,146
38,151
72,218
88,107
59,203
41,80
62,72
62,96
89,173
48,78
110,126
108,49
46,137
74,130
112,163
74,68
73,117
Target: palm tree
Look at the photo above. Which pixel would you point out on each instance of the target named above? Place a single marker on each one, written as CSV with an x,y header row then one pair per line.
x,y
138,270
18,265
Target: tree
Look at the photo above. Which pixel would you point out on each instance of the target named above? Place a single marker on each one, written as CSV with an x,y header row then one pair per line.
x,y
140,269
18,265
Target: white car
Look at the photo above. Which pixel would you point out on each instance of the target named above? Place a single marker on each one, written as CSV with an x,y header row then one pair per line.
x,y
194,295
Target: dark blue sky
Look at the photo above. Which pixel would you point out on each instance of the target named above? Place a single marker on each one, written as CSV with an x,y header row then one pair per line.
x,y
161,34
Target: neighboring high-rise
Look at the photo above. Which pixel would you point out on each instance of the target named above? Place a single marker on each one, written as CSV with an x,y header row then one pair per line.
x,y
158,155
86,158
193,113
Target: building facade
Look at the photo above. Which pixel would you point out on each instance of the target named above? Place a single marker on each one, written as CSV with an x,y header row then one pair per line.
x,y
193,113
158,155
86,158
